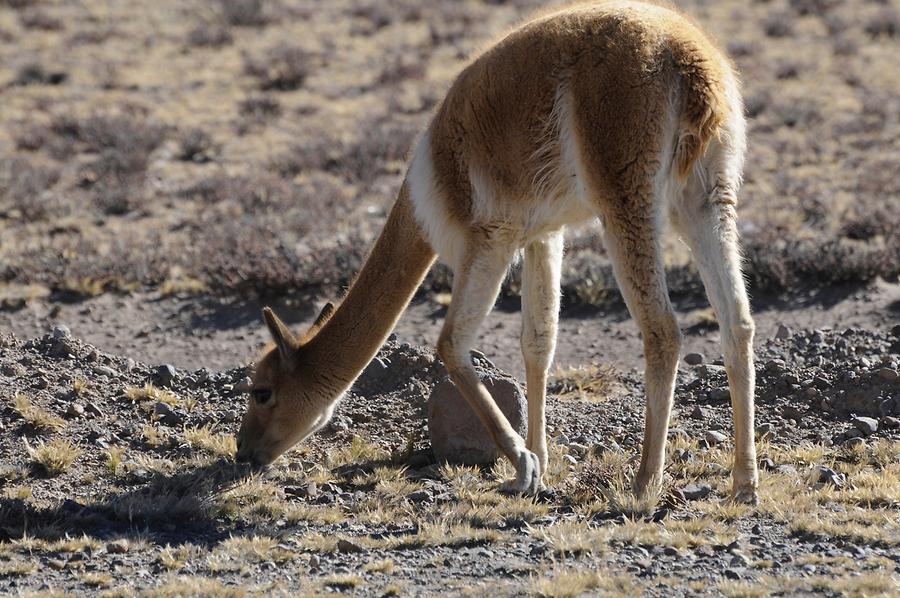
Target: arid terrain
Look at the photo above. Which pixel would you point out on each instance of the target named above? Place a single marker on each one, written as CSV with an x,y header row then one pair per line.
x,y
167,168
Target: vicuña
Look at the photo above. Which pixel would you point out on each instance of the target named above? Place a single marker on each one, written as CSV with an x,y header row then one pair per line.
x,y
623,111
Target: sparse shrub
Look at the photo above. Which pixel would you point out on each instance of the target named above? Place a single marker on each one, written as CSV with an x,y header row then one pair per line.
x,y
778,24
24,187
38,19
885,23
209,34
243,13
282,68
196,145
37,74
54,457
260,108
813,7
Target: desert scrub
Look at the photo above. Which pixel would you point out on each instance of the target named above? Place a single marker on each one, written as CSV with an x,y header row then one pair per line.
x,y
282,68
54,457
36,418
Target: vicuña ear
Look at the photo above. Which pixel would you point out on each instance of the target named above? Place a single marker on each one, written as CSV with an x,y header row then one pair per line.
x,y
324,315
281,334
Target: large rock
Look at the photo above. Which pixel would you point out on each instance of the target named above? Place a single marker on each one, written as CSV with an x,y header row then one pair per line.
x,y
457,435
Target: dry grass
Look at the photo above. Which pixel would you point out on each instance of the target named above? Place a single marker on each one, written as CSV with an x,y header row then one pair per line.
x,y
148,392
593,383
569,582
54,457
35,417
215,443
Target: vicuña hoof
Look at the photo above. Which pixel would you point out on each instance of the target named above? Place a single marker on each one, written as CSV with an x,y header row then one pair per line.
x,y
528,476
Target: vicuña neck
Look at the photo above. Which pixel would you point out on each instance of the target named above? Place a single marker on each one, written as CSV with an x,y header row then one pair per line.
x,y
381,291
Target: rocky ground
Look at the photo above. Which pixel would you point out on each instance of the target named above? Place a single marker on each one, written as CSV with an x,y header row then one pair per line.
x,y
118,477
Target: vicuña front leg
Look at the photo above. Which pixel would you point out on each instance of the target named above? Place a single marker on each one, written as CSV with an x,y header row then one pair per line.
x,y
540,314
475,287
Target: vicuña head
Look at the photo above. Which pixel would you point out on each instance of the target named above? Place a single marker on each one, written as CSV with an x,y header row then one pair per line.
x,y
620,110
288,402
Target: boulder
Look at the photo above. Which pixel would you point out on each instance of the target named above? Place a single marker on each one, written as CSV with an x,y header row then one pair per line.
x,y
457,434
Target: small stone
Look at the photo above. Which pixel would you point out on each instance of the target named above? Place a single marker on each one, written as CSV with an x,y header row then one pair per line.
x,y
103,370
714,438
786,469
60,332
347,546
855,442
75,410
118,546
696,491
314,560
419,496
57,564
701,413
165,375
308,490
866,425
766,464
93,409
166,415
783,332
825,475
671,551
890,423
694,358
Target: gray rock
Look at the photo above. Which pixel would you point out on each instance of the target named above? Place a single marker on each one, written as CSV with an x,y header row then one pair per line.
x,y
786,469
419,496
855,442
714,438
61,331
866,425
103,370
738,559
457,434
696,491
347,546
75,410
709,371
694,358
890,423
165,375
820,474
701,413
167,415
783,332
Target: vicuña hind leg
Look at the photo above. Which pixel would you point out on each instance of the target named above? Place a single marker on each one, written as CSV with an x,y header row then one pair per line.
x,y
708,227
632,241
540,313
475,287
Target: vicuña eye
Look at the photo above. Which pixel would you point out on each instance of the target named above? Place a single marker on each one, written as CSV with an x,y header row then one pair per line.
x,y
261,395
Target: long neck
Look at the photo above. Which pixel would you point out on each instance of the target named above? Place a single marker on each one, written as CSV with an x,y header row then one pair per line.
x,y
383,288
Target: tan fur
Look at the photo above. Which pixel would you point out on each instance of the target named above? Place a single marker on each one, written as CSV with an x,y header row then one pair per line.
x,y
620,110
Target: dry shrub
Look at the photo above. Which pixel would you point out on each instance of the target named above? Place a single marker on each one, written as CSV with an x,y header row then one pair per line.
x,y
243,13
23,188
282,68
209,35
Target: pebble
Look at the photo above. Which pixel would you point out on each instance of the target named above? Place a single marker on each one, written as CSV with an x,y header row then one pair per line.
x,y
694,358
855,442
166,415
696,491
866,425
714,438
347,546
61,331
75,410
701,413
783,332
890,423
739,559
103,370
165,375
766,464
57,564
720,393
